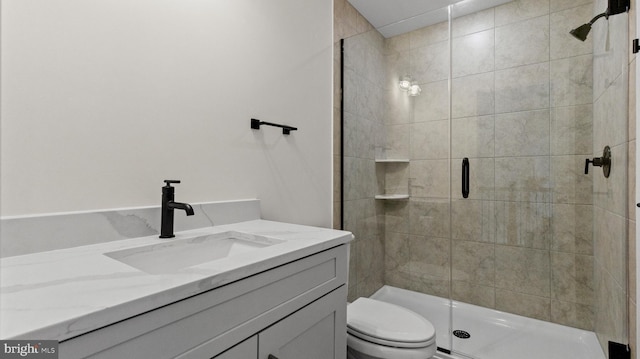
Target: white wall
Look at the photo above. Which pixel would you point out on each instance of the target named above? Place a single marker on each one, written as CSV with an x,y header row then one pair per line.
x,y
103,99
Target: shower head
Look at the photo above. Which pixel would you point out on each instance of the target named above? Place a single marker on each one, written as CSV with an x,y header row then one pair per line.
x,y
615,7
581,31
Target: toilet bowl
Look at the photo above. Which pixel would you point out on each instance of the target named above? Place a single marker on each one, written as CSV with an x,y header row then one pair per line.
x,y
380,330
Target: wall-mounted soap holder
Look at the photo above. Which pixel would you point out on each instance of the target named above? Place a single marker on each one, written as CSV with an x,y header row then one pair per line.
x,y
604,162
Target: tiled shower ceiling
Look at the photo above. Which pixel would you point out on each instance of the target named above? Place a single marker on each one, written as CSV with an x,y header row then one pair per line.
x,y
395,17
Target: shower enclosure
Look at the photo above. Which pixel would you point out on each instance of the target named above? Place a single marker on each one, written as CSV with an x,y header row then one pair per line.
x,y
475,190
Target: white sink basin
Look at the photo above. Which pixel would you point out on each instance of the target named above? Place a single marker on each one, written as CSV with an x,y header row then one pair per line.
x,y
174,255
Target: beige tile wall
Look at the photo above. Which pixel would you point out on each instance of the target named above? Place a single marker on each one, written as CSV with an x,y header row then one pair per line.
x,y
631,193
614,224
364,136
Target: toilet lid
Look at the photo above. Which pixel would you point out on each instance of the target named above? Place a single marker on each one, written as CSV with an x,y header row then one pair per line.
x,y
388,324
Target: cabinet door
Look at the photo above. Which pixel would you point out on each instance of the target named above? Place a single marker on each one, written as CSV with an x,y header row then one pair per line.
x,y
317,331
248,349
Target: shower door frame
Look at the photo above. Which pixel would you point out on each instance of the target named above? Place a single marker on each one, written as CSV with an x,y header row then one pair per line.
x,y
636,319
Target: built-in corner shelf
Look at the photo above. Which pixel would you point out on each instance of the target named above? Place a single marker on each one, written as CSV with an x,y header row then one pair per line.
x,y
392,160
392,196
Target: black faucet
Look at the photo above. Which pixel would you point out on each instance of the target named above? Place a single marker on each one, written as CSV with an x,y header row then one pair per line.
x,y
168,205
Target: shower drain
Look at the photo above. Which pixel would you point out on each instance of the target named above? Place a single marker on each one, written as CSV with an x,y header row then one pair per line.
x,y
461,334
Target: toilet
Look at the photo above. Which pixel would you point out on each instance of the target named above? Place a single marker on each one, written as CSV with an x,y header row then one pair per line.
x,y
380,330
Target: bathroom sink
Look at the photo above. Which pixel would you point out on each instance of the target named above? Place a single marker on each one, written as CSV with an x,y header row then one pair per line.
x,y
168,257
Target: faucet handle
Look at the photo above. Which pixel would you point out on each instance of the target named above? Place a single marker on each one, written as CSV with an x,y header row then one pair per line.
x,y
604,162
169,182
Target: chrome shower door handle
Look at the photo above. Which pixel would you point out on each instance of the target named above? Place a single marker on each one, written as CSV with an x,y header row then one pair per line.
x,y
465,177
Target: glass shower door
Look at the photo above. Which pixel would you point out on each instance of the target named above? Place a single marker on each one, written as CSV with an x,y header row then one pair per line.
x,y
396,166
497,184
536,236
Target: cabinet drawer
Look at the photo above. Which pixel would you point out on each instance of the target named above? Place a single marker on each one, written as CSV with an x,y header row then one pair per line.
x,y
209,323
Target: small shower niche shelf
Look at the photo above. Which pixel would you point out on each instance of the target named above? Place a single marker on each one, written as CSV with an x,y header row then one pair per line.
x,y
392,160
392,196
397,196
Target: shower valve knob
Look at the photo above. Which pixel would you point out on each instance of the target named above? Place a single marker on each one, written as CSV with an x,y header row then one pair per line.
x,y
596,162
604,162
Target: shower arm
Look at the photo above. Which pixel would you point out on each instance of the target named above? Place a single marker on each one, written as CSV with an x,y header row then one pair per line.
x,y
604,14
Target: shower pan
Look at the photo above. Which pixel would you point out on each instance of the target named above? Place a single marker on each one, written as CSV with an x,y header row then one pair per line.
x,y
474,191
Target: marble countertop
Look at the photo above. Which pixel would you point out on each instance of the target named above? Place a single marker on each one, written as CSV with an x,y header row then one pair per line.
x,y
61,294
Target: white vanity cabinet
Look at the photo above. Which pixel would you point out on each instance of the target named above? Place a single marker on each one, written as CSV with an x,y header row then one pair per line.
x,y
316,331
246,349
296,310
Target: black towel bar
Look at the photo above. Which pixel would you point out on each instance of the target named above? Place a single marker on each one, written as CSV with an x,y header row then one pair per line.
x,y
255,124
